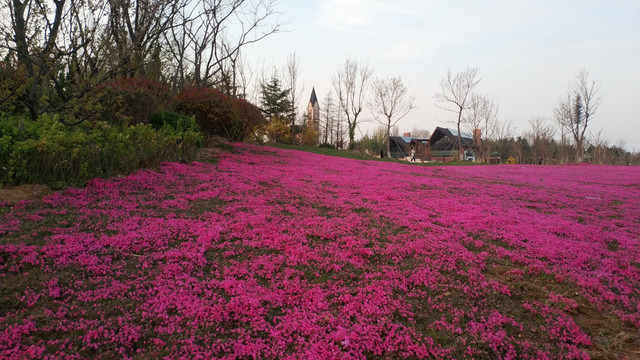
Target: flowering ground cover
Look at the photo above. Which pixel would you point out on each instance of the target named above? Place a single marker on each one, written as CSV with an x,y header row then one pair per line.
x,y
274,254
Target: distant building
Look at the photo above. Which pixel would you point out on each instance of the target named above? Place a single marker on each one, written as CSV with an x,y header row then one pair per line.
x,y
399,146
313,112
443,146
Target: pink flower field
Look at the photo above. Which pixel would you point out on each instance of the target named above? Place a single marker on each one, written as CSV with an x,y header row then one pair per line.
x,y
281,254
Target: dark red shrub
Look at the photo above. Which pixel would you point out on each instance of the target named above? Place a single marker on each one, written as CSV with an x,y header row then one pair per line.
x,y
212,109
249,120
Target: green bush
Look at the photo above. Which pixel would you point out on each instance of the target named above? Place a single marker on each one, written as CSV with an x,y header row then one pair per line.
x,y
130,101
48,152
174,121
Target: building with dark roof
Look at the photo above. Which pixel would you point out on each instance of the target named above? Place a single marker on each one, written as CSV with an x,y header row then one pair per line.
x,y
313,112
399,146
442,146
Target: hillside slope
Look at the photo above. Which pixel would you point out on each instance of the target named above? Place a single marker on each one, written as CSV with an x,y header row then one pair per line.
x,y
276,254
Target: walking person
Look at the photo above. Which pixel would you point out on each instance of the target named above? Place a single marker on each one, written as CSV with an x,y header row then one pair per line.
x,y
413,154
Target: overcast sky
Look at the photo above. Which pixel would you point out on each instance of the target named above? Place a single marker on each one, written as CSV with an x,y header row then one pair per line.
x,y
527,53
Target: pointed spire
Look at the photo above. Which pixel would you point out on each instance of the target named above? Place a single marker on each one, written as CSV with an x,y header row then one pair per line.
x,y
313,98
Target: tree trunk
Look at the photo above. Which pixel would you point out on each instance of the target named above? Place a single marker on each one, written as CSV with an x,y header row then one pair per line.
x,y
389,137
460,151
352,133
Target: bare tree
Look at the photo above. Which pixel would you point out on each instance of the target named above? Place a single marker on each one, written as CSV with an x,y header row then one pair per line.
x,y
339,129
540,137
563,115
351,84
600,146
246,76
328,119
455,92
482,115
44,38
420,133
291,76
473,119
391,100
577,110
502,134
206,47
291,72
490,122
136,28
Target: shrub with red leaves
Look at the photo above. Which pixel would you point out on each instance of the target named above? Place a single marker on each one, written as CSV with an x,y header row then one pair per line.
x,y
248,120
217,115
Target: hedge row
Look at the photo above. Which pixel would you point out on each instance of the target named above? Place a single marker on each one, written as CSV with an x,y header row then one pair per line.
x,y
47,152
132,129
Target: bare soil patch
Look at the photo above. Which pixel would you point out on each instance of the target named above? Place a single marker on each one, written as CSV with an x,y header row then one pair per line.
x,y
208,154
14,194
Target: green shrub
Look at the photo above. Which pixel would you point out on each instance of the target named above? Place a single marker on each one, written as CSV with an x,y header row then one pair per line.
x,y
327,146
174,121
130,101
48,152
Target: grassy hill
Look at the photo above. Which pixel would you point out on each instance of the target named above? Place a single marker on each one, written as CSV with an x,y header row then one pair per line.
x,y
274,253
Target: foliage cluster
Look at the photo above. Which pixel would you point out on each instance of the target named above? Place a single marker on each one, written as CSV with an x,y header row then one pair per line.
x,y
131,127
131,101
63,50
119,65
372,144
527,150
47,152
219,115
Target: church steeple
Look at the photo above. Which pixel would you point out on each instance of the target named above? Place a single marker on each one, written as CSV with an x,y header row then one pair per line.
x,y
313,113
314,99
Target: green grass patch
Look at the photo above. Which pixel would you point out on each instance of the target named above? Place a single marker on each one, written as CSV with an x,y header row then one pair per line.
x,y
358,155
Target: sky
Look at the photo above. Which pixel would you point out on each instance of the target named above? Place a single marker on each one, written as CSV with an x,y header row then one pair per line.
x,y
527,52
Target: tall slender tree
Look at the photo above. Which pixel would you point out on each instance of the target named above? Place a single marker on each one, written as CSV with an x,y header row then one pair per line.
x,y
454,95
291,77
392,101
577,109
482,116
328,119
351,84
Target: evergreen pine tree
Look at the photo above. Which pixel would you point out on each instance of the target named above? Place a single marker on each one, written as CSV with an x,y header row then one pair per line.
x,y
277,108
275,100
